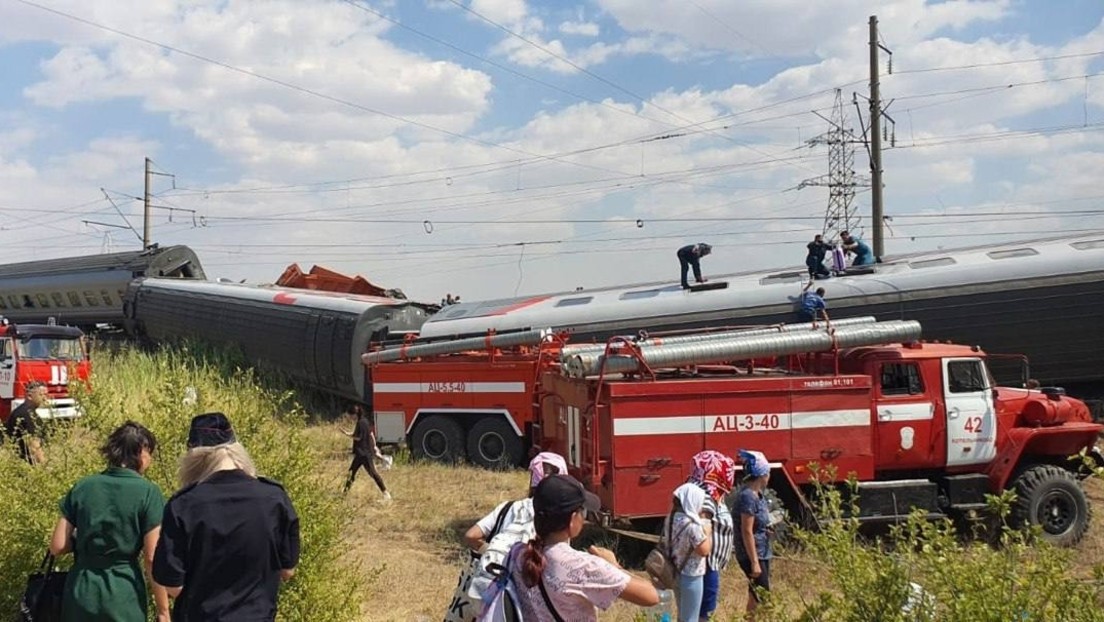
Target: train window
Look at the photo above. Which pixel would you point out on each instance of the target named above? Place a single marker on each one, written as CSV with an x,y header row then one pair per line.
x,y
3,305
90,298
901,379
106,297
74,299
27,302
1013,252
1088,245
574,302
782,277
59,300
644,293
14,302
932,263
43,301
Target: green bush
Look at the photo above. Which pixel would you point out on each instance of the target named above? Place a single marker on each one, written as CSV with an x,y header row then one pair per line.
x,y
926,571
150,388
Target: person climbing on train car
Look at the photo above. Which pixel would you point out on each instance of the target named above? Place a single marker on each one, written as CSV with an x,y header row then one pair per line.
x,y
753,547
364,451
812,305
818,250
851,244
715,473
689,256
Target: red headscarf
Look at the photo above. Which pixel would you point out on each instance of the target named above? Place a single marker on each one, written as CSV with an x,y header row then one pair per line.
x,y
714,471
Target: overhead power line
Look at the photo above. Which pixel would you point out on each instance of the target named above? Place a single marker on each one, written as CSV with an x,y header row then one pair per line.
x,y
1000,63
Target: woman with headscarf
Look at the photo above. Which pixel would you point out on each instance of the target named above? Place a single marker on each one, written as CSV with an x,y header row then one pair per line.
x,y
689,529
715,473
557,583
753,549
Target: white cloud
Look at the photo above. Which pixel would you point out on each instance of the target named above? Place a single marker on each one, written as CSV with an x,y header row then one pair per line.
x,y
582,29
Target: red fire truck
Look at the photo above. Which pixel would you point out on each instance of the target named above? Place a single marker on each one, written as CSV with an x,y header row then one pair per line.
x,y
54,355
920,425
471,399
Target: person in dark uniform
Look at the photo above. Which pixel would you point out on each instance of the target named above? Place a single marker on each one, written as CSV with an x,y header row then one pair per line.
x,y
818,249
228,537
364,451
689,256
22,424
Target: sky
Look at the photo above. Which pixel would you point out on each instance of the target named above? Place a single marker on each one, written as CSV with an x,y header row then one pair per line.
x,y
492,148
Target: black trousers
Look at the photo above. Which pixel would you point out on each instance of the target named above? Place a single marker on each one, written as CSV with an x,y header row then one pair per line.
x,y
686,261
369,464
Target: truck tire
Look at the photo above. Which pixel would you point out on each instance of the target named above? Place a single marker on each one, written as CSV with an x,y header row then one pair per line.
x,y
493,444
438,438
1050,497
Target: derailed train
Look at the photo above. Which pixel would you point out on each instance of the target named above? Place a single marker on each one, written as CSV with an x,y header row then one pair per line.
x,y
1040,299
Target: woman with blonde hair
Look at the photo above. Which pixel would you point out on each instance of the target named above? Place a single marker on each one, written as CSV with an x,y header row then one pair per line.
x,y
229,537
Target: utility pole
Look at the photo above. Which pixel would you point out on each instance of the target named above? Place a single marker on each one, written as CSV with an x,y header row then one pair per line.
x,y
841,179
876,113
145,222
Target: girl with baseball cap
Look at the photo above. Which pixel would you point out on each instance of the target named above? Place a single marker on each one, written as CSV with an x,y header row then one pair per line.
x,y
556,582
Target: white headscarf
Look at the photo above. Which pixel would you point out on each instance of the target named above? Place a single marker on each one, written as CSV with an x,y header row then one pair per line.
x,y
691,497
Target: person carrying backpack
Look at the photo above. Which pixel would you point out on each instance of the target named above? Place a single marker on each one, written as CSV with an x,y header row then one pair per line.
x,y
491,538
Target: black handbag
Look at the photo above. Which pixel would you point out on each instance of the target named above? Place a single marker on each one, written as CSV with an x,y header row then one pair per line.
x,y
41,600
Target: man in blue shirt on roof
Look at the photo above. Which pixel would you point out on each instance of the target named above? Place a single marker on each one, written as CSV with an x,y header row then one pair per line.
x,y
688,257
812,304
851,244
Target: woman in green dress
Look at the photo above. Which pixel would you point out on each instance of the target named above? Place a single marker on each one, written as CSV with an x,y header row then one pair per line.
x,y
106,520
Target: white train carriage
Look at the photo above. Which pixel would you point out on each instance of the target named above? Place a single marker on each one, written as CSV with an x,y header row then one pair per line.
x,y
1036,298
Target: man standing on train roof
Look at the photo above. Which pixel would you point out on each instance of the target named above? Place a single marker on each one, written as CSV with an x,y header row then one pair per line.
x,y
851,244
689,256
818,249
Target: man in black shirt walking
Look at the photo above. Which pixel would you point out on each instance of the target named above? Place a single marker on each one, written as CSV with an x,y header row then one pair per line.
x,y
364,451
22,424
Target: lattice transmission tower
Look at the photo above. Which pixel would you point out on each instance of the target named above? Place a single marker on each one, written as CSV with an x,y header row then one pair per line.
x,y
842,213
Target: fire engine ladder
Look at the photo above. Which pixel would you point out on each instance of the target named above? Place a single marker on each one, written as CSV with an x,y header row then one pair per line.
x,y
623,357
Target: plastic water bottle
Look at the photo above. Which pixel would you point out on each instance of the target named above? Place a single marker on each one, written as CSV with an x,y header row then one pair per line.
x,y
665,610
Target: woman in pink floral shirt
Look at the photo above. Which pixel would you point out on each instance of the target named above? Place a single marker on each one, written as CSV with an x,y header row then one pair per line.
x,y
557,583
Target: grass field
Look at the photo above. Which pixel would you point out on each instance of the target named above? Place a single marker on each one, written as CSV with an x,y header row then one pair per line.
x,y
410,550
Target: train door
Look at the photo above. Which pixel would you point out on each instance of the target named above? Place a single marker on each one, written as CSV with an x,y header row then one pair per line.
x,y
7,368
971,419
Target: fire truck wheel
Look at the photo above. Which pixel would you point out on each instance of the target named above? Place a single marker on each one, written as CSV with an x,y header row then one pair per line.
x,y
439,439
1051,497
492,444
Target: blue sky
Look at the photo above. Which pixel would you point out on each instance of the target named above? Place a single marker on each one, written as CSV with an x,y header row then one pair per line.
x,y
513,153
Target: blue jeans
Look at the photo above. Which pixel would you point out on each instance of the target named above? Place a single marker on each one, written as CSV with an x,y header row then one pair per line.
x,y
689,597
711,587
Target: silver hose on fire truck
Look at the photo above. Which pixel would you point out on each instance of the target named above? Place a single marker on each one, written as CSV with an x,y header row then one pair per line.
x,y
505,340
742,348
570,349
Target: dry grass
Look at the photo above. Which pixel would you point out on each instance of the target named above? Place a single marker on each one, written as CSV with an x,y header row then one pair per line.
x,y
411,548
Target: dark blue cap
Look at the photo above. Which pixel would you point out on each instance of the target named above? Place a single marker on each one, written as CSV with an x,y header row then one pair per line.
x,y
210,429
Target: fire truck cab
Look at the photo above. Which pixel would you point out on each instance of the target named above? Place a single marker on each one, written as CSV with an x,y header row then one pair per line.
x,y
919,425
47,353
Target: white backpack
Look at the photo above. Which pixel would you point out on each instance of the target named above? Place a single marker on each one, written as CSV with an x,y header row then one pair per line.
x,y
520,529
500,598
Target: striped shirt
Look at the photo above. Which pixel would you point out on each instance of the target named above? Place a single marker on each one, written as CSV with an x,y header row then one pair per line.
x,y
724,534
